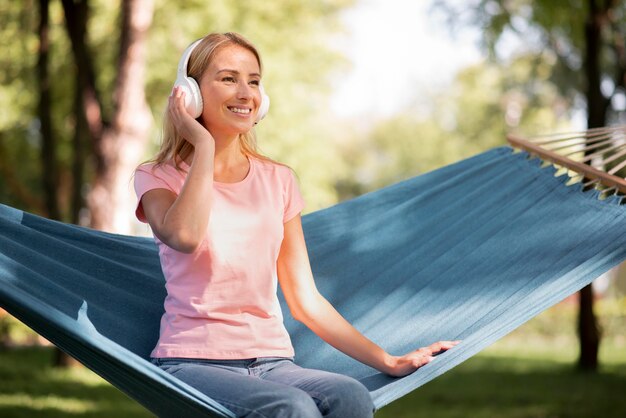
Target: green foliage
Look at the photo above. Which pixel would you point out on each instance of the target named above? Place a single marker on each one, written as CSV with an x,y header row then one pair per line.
x,y
552,31
293,40
533,89
18,141
18,43
483,104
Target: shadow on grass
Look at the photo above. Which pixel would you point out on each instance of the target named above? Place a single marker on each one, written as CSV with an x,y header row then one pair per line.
x,y
515,388
31,387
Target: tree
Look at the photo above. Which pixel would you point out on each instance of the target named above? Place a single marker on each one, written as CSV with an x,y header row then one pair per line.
x,y
585,39
119,139
49,161
99,137
20,184
129,129
298,62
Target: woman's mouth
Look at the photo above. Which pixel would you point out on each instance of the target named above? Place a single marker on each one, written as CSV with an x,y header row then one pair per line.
x,y
240,110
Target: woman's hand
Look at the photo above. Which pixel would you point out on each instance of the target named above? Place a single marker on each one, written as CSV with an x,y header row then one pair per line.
x,y
185,124
181,220
403,365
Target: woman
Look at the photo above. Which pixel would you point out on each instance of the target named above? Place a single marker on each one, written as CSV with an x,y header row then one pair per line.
x,y
227,224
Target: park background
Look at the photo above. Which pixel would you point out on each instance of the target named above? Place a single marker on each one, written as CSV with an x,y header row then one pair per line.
x,y
364,94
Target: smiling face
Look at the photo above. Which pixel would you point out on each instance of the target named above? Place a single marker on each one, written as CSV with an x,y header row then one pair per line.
x,y
230,92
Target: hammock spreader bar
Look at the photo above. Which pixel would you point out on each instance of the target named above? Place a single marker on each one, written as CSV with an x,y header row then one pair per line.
x,y
470,251
597,154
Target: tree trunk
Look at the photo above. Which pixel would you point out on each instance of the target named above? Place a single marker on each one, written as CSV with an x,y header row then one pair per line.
x,y
588,329
49,174
118,146
81,136
48,143
87,109
119,149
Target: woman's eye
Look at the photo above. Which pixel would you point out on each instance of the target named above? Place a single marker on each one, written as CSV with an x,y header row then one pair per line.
x,y
229,79
255,82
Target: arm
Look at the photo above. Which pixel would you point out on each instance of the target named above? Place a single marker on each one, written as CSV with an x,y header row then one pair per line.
x,y
181,221
308,306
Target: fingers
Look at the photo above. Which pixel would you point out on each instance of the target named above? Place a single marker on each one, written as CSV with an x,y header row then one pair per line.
x,y
435,348
420,361
186,125
176,103
408,363
422,356
412,361
442,346
424,351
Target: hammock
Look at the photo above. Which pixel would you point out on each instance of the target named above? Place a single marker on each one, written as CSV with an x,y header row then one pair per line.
x,y
470,251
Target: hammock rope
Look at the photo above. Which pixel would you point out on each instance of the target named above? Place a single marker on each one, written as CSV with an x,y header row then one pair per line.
x,y
589,153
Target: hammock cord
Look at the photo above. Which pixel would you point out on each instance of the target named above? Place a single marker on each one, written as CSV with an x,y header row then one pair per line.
x,y
598,155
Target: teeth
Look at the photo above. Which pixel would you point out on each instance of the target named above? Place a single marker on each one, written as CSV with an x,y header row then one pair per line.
x,y
238,110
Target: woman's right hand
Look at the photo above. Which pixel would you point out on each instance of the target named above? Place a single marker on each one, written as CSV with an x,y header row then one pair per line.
x,y
181,220
188,127
403,365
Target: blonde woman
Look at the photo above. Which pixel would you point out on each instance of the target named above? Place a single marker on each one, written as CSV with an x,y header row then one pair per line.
x,y
227,224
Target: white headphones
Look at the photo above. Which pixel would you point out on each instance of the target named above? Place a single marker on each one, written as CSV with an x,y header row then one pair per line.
x,y
193,97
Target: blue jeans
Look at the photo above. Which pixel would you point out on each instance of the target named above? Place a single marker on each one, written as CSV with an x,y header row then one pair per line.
x,y
273,387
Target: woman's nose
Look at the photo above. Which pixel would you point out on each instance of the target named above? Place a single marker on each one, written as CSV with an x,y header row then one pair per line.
x,y
244,91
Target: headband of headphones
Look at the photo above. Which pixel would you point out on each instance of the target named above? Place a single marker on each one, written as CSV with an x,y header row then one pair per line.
x,y
193,97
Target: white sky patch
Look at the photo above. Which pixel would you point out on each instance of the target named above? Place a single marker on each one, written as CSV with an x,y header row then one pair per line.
x,y
398,52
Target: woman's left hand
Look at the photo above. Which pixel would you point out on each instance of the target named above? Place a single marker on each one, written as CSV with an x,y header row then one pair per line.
x,y
399,366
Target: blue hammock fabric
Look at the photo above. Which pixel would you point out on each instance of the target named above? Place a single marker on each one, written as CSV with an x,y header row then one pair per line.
x,y
470,251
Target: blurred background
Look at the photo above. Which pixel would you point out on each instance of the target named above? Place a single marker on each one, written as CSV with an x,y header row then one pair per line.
x,y
364,93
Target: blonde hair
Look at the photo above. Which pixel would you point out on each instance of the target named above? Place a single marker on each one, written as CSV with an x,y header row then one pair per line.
x,y
173,146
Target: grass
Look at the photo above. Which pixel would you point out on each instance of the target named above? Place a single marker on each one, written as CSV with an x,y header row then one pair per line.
x,y
30,387
503,382
529,374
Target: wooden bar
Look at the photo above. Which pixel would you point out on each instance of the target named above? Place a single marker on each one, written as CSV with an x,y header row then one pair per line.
x,y
587,170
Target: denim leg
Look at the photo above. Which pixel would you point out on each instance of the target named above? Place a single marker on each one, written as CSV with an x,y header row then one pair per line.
x,y
336,395
230,384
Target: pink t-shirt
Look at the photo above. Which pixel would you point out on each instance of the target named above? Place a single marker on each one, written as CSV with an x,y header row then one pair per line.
x,y
221,300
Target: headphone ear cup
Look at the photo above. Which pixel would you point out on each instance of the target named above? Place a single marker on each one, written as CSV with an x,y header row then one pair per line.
x,y
264,107
193,97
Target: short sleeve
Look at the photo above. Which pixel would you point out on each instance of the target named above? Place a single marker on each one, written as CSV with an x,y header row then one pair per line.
x,y
294,203
147,178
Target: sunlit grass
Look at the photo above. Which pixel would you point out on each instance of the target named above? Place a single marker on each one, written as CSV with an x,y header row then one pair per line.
x,y
41,403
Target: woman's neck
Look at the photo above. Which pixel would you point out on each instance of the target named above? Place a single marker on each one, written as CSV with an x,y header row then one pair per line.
x,y
228,153
227,148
